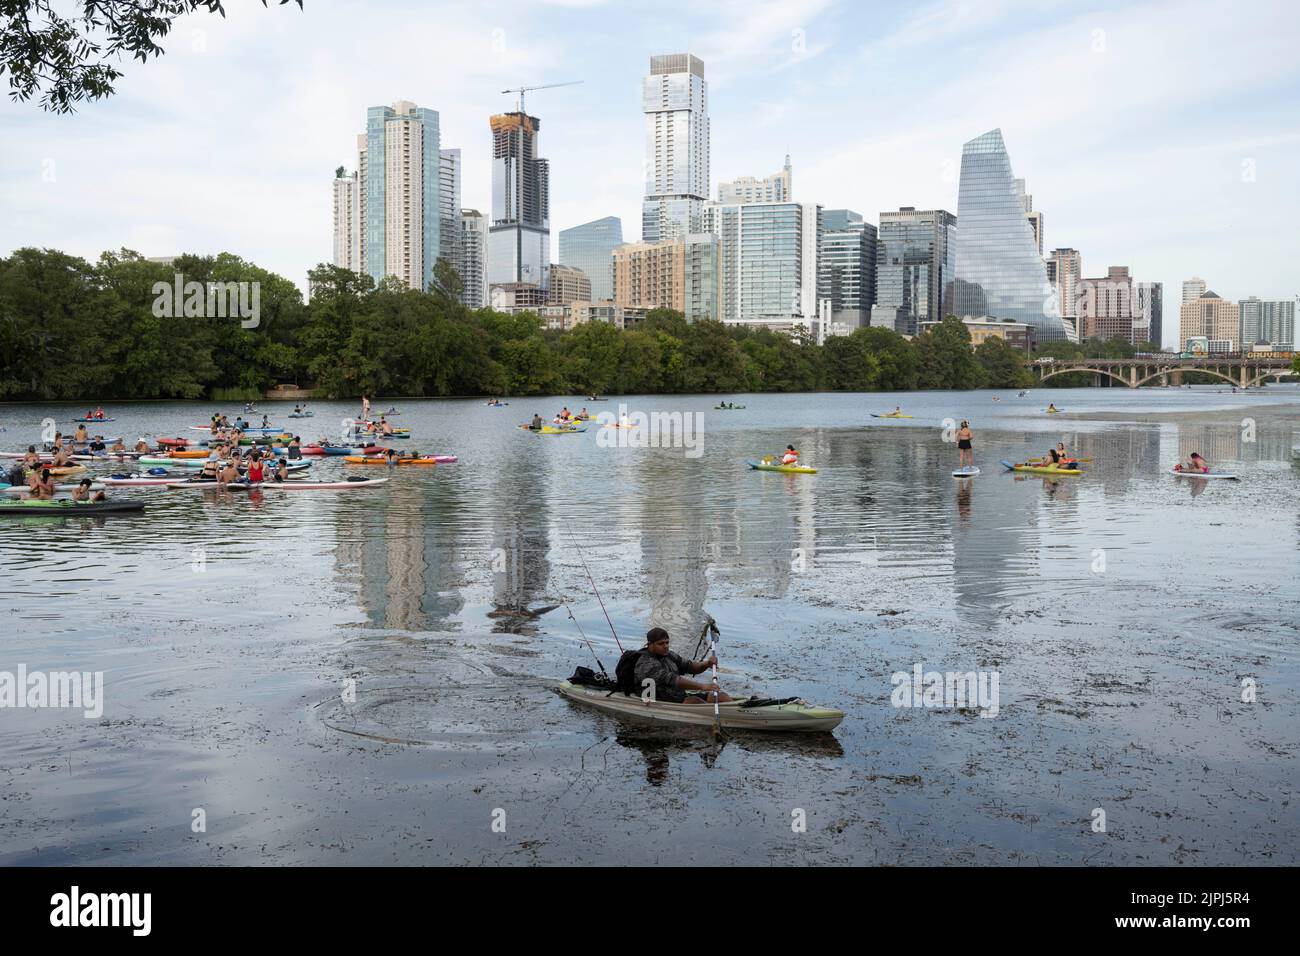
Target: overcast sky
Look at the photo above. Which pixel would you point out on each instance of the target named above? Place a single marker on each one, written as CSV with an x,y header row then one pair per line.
x,y
1163,136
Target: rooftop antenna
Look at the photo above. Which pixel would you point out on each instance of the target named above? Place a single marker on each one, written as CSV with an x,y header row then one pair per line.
x,y
521,90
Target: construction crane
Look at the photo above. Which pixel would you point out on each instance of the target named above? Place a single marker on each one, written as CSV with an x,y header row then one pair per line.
x,y
547,86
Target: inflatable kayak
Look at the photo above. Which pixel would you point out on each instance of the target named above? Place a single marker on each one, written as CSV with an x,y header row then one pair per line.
x,y
891,415
68,507
1041,469
738,714
23,489
1201,474
792,469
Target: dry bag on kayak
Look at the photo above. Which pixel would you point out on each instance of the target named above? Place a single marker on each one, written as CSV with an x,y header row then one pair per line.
x,y
586,677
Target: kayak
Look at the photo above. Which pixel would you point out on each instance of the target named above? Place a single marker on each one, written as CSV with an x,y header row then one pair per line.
x,y
272,430
1201,474
381,460
23,489
66,507
1038,461
313,450
93,421
338,450
176,442
792,469
728,408
554,430
970,471
285,485
890,415
496,404
732,715
197,453
1052,411
301,415
1042,469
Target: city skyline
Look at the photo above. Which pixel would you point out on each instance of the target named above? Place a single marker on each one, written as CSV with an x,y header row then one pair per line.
x,y
1181,163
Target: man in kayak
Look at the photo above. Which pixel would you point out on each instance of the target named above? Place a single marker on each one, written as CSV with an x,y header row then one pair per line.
x,y
965,449
564,415
1051,408
661,665
898,410
536,424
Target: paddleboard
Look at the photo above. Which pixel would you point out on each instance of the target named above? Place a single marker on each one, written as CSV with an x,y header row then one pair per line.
x,y
1201,474
63,487
969,472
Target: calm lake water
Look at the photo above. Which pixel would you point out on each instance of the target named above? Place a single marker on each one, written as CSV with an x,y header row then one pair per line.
x,y
1123,611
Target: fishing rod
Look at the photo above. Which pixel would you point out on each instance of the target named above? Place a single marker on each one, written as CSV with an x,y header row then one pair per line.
x,y
603,672
594,589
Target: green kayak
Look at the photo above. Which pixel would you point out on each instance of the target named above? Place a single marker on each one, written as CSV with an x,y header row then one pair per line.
x,y
733,715
772,466
68,507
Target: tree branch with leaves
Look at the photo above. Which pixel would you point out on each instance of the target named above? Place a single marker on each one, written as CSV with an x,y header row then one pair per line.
x,y
69,58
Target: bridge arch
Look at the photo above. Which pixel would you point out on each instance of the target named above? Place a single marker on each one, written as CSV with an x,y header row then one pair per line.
x,y
1081,368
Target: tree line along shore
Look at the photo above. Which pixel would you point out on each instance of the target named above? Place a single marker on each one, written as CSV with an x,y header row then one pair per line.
x,y
72,330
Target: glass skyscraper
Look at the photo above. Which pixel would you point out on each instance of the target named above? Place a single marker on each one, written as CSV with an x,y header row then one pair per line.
x,y
998,271
590,247
399,202
846,269
675,100
768,258
914,261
